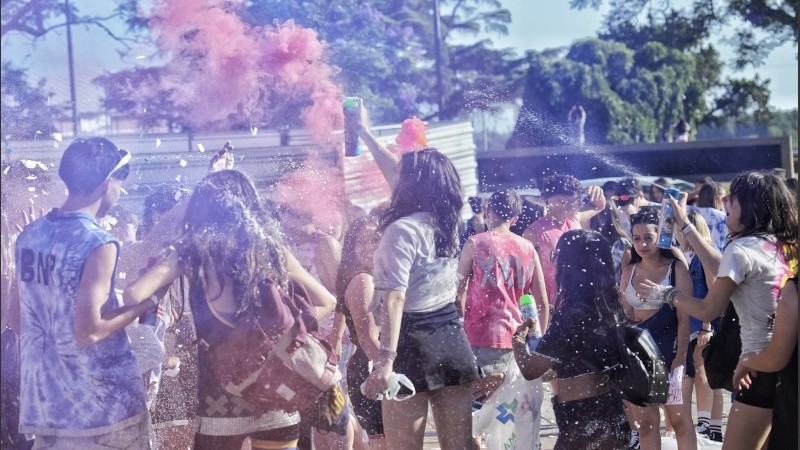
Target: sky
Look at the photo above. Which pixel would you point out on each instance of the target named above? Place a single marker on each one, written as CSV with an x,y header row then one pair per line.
x,y
535,25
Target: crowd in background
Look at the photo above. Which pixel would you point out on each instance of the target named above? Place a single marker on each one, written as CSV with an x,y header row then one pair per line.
x,y
406,288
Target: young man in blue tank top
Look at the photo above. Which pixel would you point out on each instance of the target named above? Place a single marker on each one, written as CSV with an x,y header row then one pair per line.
x,y
80,384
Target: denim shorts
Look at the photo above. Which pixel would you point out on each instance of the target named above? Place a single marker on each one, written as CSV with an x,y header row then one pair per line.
x,y
138,436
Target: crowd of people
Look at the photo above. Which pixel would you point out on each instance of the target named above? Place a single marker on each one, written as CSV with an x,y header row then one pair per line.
x,y
406,288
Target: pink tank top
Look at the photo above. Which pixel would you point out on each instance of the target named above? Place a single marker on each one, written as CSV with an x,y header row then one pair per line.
x,y
501,272
547,235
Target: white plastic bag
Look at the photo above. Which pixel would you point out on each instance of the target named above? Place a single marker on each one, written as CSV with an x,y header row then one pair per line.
x,y
147,348
511,417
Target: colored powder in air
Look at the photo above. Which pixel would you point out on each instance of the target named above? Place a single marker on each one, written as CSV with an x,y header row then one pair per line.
x,y
223,71
317,189
412,135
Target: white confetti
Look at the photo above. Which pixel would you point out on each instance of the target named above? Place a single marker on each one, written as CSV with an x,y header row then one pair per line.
x,y
5,172
253,131
31,177
201,148
178,178
158,143
32,164
140,57
184,163
123,191
32,189
58,137
122,275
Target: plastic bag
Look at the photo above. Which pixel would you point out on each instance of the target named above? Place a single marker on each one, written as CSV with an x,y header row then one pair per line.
x,y
511,417
147,348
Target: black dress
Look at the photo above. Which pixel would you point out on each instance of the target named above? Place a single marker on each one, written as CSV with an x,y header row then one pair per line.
x,y
578,342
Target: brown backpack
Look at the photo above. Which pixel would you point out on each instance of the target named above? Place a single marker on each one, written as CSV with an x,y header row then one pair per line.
x,y
273,357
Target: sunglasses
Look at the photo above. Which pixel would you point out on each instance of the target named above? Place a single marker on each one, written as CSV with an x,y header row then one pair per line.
x,y
622,198
126,158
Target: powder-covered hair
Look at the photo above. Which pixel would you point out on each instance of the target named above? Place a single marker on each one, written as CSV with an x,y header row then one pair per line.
x,y
428,182
228,232
585,275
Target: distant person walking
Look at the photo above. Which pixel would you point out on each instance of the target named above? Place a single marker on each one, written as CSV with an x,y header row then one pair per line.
x,y
577,119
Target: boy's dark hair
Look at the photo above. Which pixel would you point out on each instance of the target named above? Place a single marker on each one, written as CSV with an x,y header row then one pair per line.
x,y
532,209
610,185
87,163
627,191
561,184
704,180
506,203
476,204
708,195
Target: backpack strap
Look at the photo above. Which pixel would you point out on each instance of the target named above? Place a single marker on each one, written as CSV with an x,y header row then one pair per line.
x,y
672,272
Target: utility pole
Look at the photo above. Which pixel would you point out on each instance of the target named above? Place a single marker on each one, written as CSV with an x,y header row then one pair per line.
x,y
437,50
73,99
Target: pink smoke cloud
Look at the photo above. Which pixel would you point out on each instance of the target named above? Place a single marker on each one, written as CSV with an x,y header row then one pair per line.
x,y
220,66
316,188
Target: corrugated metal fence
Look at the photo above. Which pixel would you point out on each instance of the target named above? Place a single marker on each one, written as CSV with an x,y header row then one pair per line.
x,y
180,159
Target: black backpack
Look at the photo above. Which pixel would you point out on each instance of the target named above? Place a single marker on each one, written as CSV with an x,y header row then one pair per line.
x,y
640,376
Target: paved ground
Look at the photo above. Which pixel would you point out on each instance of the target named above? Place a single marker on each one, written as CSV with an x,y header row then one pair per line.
x,y
549,430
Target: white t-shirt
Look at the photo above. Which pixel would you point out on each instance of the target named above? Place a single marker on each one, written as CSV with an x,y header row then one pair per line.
x,y
406,261
758,267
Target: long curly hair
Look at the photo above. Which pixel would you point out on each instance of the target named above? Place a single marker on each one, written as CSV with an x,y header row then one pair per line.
x,y
768,207
428,182
585,275
230,235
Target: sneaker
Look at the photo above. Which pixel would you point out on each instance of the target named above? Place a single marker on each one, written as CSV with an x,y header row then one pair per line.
x,y
702,427
715,436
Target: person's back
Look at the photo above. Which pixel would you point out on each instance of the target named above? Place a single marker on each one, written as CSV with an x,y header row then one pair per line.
x,y
80,381
502,269
65,386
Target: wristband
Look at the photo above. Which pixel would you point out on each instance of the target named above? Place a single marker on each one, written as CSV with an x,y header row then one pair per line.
x,y
704,331
387,354
669,296
687,228
155,300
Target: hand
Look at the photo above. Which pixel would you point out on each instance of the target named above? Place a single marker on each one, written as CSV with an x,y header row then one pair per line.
x,y
679,210
172,362
485,387
363,114
679,360
647,290
702,339
223,159
596,197
743,377
519,340
377,383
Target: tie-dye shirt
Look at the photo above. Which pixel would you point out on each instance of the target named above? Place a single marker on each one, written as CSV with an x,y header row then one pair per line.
x,y
759,266
502,270
67,389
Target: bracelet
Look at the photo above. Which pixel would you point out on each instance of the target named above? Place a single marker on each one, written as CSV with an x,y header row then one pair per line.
x,y
669,296
687,228
704,331
388,354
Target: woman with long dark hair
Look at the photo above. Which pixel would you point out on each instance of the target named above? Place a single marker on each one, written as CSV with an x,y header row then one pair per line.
x,y
669,329
231,251
761,255
579,344
355,294
421,333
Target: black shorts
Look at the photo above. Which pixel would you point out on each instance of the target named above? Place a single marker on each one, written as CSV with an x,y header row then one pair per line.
x,y
597,423
368,411
761,393
433,350
691,371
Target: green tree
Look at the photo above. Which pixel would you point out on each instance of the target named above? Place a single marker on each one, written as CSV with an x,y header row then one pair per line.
x,y
759,26
629,95
26,109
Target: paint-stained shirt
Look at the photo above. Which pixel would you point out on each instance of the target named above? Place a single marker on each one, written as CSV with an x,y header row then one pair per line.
x,y
67,389
502,270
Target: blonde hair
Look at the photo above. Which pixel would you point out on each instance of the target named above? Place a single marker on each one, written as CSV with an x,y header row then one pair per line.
x,y
699,222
